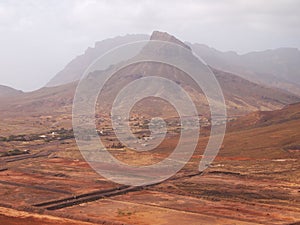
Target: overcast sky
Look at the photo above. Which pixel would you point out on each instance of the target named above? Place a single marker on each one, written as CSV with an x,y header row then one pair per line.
x,y
38,38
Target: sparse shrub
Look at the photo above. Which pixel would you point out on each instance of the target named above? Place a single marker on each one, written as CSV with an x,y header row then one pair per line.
x,y
13,152
3,139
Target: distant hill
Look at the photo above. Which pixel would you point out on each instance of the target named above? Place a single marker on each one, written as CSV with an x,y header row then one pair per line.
x,y
6,91
278,68
74,70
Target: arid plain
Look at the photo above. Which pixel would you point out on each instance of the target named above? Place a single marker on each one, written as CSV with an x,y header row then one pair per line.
x,y
255,178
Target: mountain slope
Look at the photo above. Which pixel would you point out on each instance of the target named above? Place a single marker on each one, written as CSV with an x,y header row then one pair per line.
x,y
75,69
288,114
262,134
6,91
279,68
53,105
241,96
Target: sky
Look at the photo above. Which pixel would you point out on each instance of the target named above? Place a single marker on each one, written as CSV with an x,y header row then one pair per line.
x,y
38,38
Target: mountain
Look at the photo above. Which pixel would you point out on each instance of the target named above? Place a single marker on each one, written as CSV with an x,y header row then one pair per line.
x,y
74,70
164,36
242,96
6,91
278,68
274,68
52,105
245,96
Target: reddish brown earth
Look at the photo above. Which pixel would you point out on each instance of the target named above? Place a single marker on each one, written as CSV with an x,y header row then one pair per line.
x,y
247,184
14,217
255,178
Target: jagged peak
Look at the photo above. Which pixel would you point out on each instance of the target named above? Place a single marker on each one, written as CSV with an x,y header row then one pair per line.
x,y
164,36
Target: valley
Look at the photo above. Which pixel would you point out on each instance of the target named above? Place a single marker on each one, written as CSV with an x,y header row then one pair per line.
x,y
246,184
254,179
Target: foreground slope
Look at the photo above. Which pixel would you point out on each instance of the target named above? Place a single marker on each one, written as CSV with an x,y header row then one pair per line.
x,y
254,180
274,134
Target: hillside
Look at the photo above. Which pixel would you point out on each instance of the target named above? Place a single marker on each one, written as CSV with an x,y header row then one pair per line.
x,y
253,180
53,105
6,91
262,134
287,114
74,70
274,68
279,67
241,95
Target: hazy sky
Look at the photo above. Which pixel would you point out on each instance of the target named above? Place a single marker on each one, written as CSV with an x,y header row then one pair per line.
x,y
38,38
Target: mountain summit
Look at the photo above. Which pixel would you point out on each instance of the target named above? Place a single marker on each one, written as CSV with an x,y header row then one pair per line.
x,y
164,36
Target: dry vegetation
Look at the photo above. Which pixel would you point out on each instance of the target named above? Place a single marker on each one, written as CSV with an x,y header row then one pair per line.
x,y
254,180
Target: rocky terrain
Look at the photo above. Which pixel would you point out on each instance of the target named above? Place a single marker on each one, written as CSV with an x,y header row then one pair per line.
x,y
255,178
273,68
